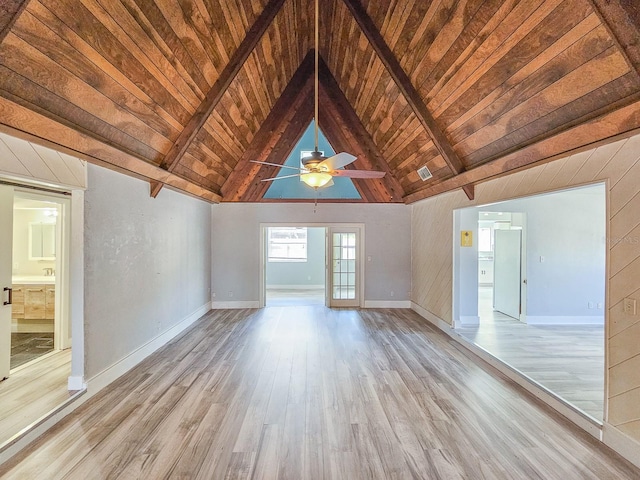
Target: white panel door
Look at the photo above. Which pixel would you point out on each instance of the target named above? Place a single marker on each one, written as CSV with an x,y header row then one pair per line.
x,y
507,271
344,274
6,255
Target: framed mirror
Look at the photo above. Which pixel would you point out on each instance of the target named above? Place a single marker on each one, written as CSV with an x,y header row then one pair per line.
x,y
42,241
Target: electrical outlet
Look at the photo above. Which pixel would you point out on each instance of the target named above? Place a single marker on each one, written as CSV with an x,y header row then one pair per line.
x,y
599,305
230,294
590,305
213,294
630,306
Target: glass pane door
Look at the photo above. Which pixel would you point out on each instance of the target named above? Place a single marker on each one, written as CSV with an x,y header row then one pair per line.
x,y
344,267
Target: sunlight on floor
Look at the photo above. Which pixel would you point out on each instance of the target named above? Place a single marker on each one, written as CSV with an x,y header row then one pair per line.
x,y
568,360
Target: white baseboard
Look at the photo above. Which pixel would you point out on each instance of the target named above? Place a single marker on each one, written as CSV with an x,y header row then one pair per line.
x,y
104,378
622,443
76,383
94,385
295,287
591,426
469,320
435,320
235,305
565,320
387,304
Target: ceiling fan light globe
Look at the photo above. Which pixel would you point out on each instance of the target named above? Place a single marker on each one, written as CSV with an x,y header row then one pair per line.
x,y
316,179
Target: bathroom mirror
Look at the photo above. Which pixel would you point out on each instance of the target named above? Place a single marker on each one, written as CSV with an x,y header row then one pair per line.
x,y
42,241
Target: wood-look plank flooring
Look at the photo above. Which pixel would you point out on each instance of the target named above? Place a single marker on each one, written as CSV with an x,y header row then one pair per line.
x,y
32,391
282,297
311,392
568,360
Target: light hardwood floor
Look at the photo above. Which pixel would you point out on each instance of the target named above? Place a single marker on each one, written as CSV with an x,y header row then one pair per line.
x,y
309,392
567,360
32,392
282,297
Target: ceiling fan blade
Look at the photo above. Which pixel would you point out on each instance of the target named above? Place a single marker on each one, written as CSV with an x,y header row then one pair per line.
x,y
283,176
337,161
274,164
358,173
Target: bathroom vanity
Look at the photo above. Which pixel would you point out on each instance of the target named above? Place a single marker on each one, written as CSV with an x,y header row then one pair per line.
x,y
33,308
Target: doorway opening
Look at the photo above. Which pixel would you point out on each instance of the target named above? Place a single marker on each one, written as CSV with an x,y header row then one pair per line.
x,y
35,315
295,266
501,265
531,290
314,264
39,315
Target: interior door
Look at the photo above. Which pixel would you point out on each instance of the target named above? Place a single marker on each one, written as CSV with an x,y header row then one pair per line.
x,y
345,265
6,254
507,272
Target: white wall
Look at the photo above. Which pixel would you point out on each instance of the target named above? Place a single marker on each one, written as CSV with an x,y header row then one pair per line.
x,y
236,245
309,273
465,310
567,229
147,264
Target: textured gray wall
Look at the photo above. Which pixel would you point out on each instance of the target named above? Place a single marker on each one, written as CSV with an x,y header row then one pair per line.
x,y
147,264
236,245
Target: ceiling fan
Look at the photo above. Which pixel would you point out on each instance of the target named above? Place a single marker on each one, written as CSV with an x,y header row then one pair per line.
x,y
318,171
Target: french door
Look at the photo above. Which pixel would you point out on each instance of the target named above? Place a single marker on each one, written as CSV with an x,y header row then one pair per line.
x,y
344,265
6,255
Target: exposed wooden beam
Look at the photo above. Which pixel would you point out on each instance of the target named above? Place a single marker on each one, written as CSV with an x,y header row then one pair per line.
x,y
622,19
25,123
608,127
360,137
405,86
217,91
469,191
273,127
10,10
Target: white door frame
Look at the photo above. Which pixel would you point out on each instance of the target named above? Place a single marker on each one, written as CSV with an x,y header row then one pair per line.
x,y
6,264
327,226
459,265
73,211
62,322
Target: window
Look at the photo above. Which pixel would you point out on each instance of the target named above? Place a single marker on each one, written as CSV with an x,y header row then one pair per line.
x,y
287,244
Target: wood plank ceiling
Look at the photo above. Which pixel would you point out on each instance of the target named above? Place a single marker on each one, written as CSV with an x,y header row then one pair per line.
x,y
185,93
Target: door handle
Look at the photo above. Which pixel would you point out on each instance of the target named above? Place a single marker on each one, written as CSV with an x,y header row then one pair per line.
x,y
10,290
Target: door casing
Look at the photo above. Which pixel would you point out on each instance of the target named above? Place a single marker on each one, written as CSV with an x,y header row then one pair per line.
x,y
6,259
328,226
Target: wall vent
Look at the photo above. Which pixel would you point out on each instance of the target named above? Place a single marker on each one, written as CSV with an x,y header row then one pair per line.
x,y
424,173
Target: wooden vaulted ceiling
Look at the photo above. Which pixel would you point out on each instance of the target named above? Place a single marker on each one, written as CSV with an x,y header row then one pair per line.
x,y
185,93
